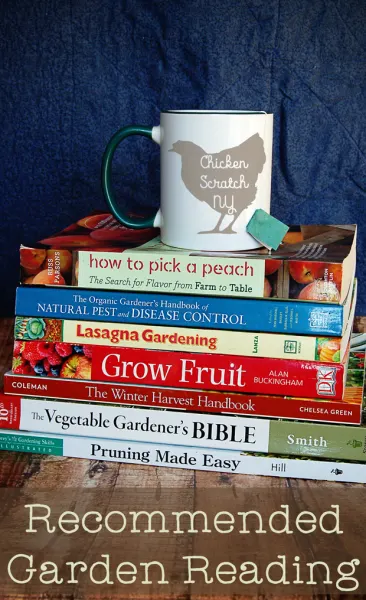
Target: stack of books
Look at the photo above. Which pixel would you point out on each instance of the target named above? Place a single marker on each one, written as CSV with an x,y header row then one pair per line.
x,y
243,362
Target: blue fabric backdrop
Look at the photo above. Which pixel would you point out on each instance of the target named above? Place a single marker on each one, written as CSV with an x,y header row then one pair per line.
x,y
73,71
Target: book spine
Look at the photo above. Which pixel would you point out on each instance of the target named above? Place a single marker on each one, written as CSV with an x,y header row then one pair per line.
x,y
164,455
183,428
177,272
185,311
127,335
194,371
278,407
131,424
171,272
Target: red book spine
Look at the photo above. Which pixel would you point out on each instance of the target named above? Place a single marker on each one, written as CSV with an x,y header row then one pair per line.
x,y
304,379
218,372
193,400
10,408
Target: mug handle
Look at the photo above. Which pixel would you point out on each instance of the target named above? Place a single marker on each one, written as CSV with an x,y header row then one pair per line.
x,y
150,132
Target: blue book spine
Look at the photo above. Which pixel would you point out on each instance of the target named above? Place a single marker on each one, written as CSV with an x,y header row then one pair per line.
x,y
244,314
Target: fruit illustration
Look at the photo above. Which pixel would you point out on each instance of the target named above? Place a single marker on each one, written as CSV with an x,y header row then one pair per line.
x,y
267,288
333,273
76,271
323,291
63,348
272,266
88,351
107,235
59,260
54,359
76,366
94,221
71,241
329,351
21,367
306,272
48,359
32,258
48,277
337,356
31,352
293,237
45,348
18,348
32,272
46,365
70,228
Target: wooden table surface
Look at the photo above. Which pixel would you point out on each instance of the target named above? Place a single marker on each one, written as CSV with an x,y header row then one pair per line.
x,y
30,472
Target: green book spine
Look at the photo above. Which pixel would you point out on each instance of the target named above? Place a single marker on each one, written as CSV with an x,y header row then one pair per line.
x,y
318,440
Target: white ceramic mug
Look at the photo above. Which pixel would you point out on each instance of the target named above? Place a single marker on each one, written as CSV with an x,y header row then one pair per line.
x,y
215,172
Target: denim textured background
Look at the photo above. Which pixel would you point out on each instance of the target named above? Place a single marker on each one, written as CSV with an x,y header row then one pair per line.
x,y
73,71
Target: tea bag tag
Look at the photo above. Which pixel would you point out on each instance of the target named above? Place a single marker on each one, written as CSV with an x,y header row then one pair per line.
x,y
266,229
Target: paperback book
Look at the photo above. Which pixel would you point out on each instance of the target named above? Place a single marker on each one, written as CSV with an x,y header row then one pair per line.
x,y
181,369
182,457
184,339
243,314
315,262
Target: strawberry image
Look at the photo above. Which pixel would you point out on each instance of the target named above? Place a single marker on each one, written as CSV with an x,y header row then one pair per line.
x,y
45,348
18,347
88,351
63,349
31,352
21,366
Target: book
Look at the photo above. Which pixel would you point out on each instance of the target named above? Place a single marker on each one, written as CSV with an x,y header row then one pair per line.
x,y
317,263
179,369
182,457
184,339
286,407
183,428
242,314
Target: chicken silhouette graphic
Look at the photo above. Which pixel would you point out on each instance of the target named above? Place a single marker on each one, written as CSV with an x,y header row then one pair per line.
x,y
226,181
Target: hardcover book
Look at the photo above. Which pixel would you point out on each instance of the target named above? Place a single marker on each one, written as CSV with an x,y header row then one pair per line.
x,y
315,262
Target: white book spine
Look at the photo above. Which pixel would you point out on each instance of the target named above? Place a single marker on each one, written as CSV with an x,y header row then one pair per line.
x,y
167,455
145,425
